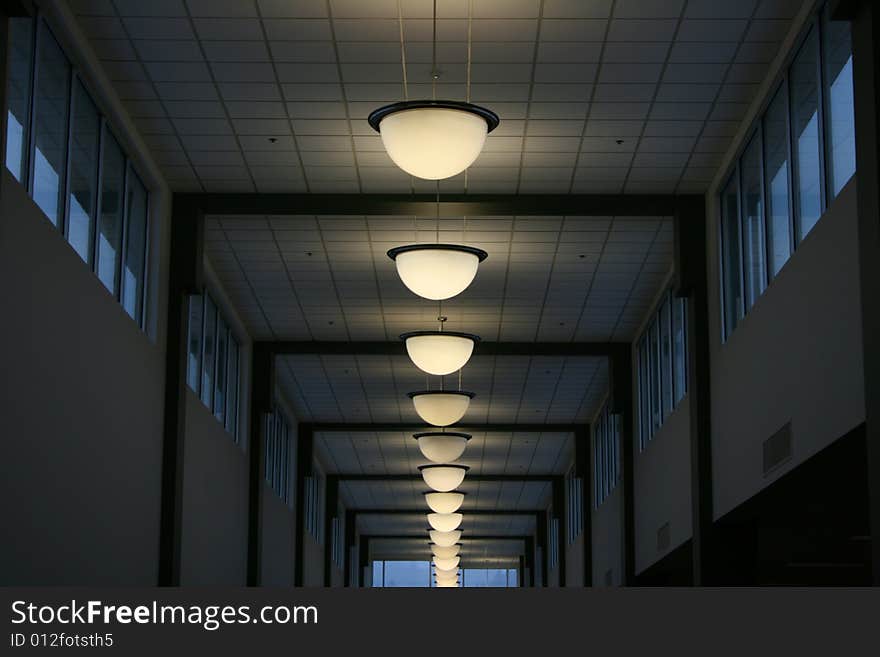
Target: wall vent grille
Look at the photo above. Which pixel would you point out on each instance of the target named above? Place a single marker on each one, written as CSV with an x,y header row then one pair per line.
x,y
663,537
777,449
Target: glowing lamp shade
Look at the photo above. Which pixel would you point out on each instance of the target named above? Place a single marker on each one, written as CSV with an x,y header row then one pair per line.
x,y
446,564
446,575
443,478
447,585
445,539
433,139
442,447
446,552
444,502
444,522
439,352
441,408
437,271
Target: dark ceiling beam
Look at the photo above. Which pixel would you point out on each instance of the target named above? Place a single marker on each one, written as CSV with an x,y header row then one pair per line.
x,y
468,479
455,205
398,348
358,427
426,540
467,512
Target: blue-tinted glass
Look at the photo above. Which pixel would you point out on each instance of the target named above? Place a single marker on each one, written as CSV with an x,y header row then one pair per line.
x,y
512,577
679,346
220,378
776,179
666,356
134,271
496,577
83,194
209,339
753,222
232,394
805,128
51,104
110,211
18,93
730,261
407,573
194,343
476,577
656,375
378,571
840,133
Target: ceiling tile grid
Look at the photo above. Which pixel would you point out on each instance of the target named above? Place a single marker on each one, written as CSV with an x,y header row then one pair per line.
x,y
555,279
609,96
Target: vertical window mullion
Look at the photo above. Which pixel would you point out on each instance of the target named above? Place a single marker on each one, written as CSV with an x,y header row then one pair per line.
x,y
64,182
123,243
32,118
740,220
820,109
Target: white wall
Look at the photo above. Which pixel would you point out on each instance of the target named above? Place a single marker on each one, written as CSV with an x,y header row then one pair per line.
x,y
662,488
796,357
81,416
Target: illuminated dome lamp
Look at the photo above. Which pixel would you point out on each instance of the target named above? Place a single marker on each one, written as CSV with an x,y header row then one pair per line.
x,y
445,539
433,139
442,447
437,271
441,408
446,575
439,352
445,552
443,478
446,585
446,564
445,522
444,502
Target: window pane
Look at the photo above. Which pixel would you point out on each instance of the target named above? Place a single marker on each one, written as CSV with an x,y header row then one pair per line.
x,y
135,248
840,133
805,128
194,343
776,177
679,347
512,577
18,93
110,209
656,415
232,389
753,222
730,262
208,344
52,98
220,377
666,357
85,128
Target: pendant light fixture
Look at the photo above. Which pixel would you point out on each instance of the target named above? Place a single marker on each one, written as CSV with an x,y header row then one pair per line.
x,y
445,552
437,271
433,139
442,447
447,585
444,502
445,539
439,352
446,575
443,478
446,565
444,522
441,408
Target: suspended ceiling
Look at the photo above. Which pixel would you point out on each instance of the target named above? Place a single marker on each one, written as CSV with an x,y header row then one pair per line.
x,y
606,96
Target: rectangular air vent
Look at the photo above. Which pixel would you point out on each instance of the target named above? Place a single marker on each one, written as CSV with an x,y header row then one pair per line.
x,y
777,449
609,577
663,537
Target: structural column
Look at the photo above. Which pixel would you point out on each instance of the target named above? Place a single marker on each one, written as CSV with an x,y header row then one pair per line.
x,y
529,561
583,470
349,535
622,406
541,540
185,277
691,284
305,439
331,509
559,513
363,559
262,389
865,20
